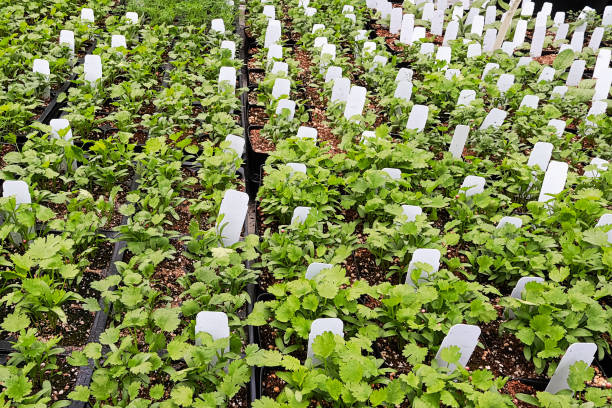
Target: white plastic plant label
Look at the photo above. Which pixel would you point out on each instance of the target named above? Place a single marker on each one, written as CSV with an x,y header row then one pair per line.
x,y
320,326
280,67
411,212
577,41
66,38
437,23
466,97
59,126
559,126
418,33
396,20
472,185
328,51
369,48
488,42
236,144
602,86
300,214
451,32
474,50
541,19
464,336
367,135
490,15
355,102
428,10
315,268
508,47
18,189
427,256
403,90
303,3
310,11
516,221
520,285
559,91
519,33
87,15
546,8
317,27
444,54
275,52
385,9
574,353
554,181
597,108
281,88
319,42
471,15
305,132
604,220
233,211
504,82
41,66
527,8
537,42
273,33
395,174
214,323
227,78
530,101
547,75
417,118
269,11
333,73
457,13
601,164
131,17
117,41
561,32
477,25
347,9
607,16
361,35
229,45
458,142
340,90
602,63
288,105
407,29
451,73
92,68
523,61
490,66
378,62
217,25
494,118
596,38
404,74
427,48
297,167
540,155
575,73
559,18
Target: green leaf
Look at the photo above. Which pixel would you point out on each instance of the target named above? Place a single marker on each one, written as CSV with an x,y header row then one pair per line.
x,y
579,373
93,350
157,391
414,354
109,336
324,344
182,395
15,322
482,379
167,319
18,387
77,359
451,354
563,60
80,393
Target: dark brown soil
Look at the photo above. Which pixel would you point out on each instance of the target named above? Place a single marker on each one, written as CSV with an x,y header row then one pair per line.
x,y
259,143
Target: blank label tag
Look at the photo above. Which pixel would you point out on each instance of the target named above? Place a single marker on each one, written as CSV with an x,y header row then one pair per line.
x,y
459,138
18,189
320,326
451,32
282,87
286,104
427,256
233,209
305,132
464,336
574,353
315,268
356,100
494,118
340,90
411,212
236,144
227,78
472,185
575,73
516,221
530,101
540,155
300,214
403,91
466,97
418,117
554,181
